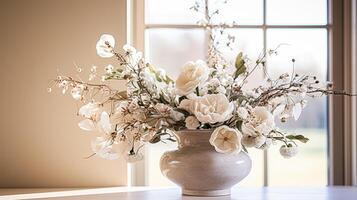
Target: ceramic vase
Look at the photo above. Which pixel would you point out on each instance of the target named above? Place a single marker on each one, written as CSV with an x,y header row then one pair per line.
x,y
200,170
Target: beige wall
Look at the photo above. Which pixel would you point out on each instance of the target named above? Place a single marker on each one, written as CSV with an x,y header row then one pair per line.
x,y
40,143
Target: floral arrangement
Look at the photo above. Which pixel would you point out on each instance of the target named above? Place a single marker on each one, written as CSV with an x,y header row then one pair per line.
x,y
208,94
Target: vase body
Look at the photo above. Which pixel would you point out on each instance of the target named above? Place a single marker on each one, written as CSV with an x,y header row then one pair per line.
x,y
199,169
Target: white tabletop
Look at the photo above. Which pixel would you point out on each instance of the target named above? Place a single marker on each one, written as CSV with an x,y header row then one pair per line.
x,y
149,193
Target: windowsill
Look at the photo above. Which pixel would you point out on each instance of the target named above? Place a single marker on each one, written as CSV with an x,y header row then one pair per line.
x,y
157,193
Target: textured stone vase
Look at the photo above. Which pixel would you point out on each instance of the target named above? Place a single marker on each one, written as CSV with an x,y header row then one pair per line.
x,y
199,169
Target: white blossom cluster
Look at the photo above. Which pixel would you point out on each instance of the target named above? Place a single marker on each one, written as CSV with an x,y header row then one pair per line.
x,y
204,96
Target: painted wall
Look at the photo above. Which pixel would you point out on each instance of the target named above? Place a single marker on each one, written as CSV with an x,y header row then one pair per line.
x,y
40,143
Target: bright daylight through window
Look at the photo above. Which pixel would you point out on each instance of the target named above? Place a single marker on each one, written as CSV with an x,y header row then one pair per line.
x,y
261,24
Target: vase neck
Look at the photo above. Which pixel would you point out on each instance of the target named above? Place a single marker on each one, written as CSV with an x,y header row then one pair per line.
x,y
193,138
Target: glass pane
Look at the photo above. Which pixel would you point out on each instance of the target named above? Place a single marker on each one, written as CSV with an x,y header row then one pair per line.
x,y
296,12
250,42
242,12
170,49
170,12
309,167
152,159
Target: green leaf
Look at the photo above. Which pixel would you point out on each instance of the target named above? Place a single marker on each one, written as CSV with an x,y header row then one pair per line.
x,y
122,94
300,138
240,65
239,125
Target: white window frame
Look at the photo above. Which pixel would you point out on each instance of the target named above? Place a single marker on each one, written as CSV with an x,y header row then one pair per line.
x,y
342,137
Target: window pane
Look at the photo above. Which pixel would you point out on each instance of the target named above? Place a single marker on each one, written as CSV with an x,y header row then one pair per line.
x,y
309,167
243,12
171,12
250,42
172,48
296,12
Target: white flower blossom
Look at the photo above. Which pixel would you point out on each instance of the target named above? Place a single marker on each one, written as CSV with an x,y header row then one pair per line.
x,y
129,49
192,75
226,140
109,69
102,47
192,123
288,151
89,111
77,92
210,108
103,147
260,122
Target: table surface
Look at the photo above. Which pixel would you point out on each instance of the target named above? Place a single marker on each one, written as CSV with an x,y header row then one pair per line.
x,y
150,193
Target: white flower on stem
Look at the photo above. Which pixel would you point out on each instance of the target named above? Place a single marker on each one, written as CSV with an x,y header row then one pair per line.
x,y
103,147
226,140
211,108
260,122
257,142
193,74
242,113
288,151
109,69
290,110
129,49
192,123
90,110
77,92
102,46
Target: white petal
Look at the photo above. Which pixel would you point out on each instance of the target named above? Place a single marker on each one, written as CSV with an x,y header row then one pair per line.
x,y
104,122
297,111
87,125
279,109
88,110
102,48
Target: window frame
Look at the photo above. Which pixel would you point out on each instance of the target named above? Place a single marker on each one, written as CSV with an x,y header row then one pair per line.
x,y
341,30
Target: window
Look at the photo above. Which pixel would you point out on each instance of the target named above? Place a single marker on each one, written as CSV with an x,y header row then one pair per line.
x,y
172,38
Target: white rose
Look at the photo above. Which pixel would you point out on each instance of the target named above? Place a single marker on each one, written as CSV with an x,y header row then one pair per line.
x,y
102,47
192,75
288,151
226,140
192,123
260,122
210,108
242,112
